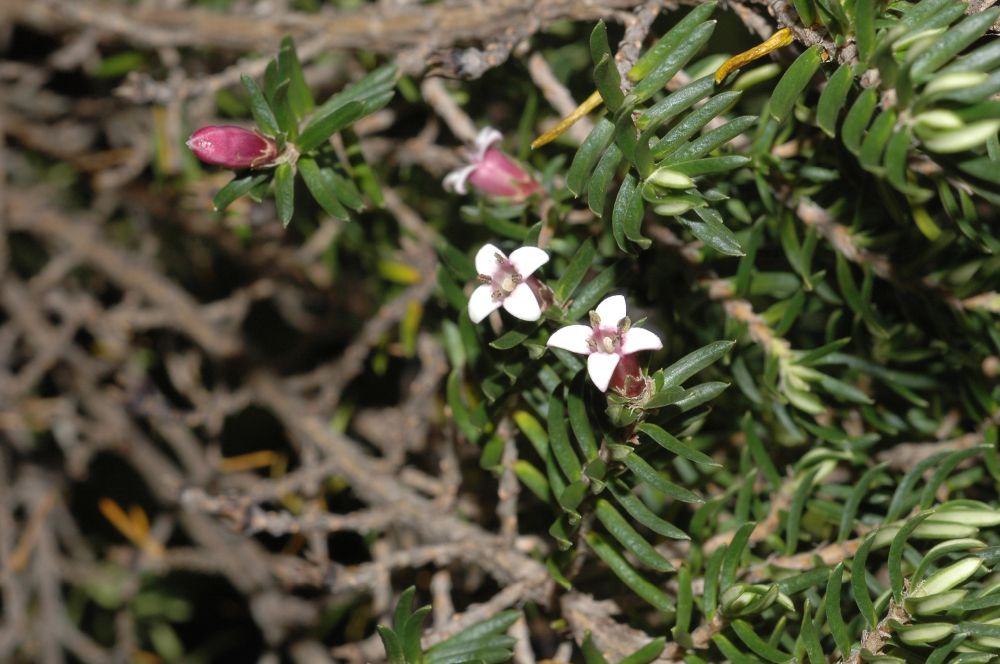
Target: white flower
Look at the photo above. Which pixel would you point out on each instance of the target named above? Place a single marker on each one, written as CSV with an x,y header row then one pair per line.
x,y
607,341
505,282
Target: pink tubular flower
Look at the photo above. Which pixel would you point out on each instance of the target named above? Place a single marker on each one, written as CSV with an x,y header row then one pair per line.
x,y
609,343
491,171
508,282
233,147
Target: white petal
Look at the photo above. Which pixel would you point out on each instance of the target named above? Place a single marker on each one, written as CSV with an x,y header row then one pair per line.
x,y
637,339
611,310
484,141
601,366
574,338
486,260
455,181
482,304
522,303
528,259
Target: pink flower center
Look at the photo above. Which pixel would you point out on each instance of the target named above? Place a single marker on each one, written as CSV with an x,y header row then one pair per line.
x,y
605,340
504,280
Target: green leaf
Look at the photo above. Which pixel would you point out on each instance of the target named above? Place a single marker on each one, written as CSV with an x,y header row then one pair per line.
x,y
944,469
320,184
833,98
864,28
588,155
646,654
834,617
627,536
638,511
714,139
951,43
669,42
404,608
577,269
904,496
859,493
238,186
393,649
289,68
858,586
757,644
710,165
284,192
714,233
671,444
685,601
695,361
700,394
459,411
875,142
562,449
323,126
579,422
600,181
693,123
261,110
629,576
734,555
654,479
628,212
896,554
795,511
534,479
672,63
857,119
410,634
675,103
591,293
359,169
608,82
591,654
794,82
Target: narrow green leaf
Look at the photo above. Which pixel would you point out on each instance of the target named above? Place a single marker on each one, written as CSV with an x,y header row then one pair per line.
x,y
809,636
858,586
653,478
904,496
646,654
695,361
579,422
577,269
714,139
834,617
799,498
859,493
794,82
629,576
588,155
710,165
874,144
562,449
734,556
261,110
864,28
710,596
675,103
943,470
238,186
679,56
321,186
641,513
323,126
693,123
393,649
591,654
895,563
669,42
759,454
833,98
857,119
608,82
627,536
951,43
299,95
685,601
591,293
700,394
628,212
714,233
534,479
732,653
410,634
404,608
759,645
601,179
671,444
284,192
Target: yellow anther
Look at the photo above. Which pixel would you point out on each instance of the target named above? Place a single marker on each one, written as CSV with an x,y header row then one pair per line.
x,y
778,40
592,102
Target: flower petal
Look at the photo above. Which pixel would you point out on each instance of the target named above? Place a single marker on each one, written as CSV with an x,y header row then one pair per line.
x,y
574,338
601,366
637,339
486,260
482,304
485,140
455,181
611,310
522,303
528,259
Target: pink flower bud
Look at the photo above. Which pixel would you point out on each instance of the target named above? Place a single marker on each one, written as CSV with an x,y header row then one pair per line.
x,y
233,147
492,172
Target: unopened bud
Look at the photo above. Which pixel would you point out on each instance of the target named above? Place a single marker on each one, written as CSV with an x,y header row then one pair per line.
x,y
233,147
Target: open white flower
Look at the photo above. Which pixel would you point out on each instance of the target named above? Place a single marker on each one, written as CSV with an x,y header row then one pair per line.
x,y
507,282
608,342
